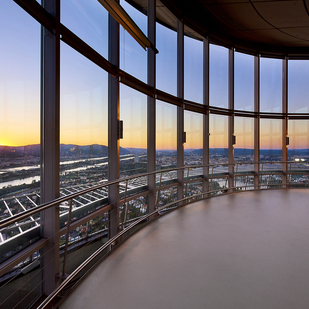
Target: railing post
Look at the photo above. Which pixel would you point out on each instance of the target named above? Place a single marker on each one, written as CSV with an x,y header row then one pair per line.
x,y
159,191
67,241
125,206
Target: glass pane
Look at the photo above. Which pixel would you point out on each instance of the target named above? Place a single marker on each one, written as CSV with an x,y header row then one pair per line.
x,y
166,135
271,85
19,101
193,148
19,148
166,59
270,140
299,140
133,58
218,139
133,146
193,67
244,132
84,119
298,90
244,82
88,19
218,76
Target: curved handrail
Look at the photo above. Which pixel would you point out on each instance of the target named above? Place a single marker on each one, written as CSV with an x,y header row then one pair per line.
x,y
110,242
30,212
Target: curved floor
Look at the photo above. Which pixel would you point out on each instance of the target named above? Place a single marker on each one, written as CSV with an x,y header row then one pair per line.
x,y
245,250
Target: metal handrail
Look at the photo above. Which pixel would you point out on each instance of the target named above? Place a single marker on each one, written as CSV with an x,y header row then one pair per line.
x,y
111,241
30,212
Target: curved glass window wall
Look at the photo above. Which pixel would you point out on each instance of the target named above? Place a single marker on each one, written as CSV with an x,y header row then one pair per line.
x,y
245,117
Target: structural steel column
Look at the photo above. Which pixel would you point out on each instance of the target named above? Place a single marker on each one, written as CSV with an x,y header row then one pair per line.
x,y
113,123
256,120
151,106
285,119
180,109
231,118
206,116
50,153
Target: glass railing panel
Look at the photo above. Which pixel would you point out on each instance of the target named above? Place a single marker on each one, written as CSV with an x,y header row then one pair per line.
x,y
82,242
132,209
193,189
242,183
218,186
270,181
20,287
243,168
166,178
166,196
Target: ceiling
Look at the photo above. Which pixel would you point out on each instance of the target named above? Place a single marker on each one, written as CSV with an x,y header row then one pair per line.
x,y
271,27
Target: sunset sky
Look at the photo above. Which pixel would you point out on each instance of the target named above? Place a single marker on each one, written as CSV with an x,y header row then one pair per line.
x,y
84,86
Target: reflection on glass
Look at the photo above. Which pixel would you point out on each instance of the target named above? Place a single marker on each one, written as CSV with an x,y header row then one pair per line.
x,y
218,76
133,146
244,82
218,139
270,140
133,58
193,70
19,102
166,59
193,148
298,90
244,132
83,115
271,85
166,135
88,19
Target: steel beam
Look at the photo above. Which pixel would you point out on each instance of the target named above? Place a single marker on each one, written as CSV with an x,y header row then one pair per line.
x,y
257,120
285,119
231,119
206,116
113,122
50,140
151,106
180,109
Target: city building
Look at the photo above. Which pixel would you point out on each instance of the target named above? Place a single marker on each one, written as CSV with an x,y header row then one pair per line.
x,y
112,114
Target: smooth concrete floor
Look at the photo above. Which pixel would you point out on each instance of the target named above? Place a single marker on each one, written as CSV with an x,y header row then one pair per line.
x,y
244,250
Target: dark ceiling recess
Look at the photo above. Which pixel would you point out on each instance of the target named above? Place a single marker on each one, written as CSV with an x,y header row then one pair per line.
x,y
276,28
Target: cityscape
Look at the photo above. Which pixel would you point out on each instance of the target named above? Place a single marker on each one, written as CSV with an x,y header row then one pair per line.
x,y
20,166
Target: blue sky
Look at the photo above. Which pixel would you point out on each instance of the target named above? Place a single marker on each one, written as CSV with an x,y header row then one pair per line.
x,y
84,86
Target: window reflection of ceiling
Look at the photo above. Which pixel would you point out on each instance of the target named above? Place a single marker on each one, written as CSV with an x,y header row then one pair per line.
x,y
279,27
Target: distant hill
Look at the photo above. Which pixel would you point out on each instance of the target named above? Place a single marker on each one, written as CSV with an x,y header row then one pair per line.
x,y
65,150
102,150
19,151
